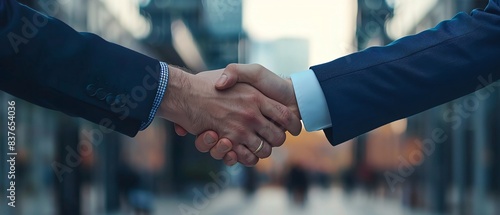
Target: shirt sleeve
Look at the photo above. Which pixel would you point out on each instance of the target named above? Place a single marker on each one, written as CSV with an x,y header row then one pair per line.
x,y
159,94
311,101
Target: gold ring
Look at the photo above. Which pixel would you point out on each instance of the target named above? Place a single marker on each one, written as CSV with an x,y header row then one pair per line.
x,y
260,147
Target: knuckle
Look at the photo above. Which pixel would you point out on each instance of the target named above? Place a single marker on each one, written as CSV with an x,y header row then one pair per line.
x,y
232,67
285,114
259,68
255,66
249,115
254,97
240,131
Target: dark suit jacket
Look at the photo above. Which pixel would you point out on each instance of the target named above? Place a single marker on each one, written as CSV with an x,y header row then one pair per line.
x,y
382,84
44,61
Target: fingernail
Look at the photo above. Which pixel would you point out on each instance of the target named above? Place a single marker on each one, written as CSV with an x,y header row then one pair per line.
x,y
223,148
209,140
222,80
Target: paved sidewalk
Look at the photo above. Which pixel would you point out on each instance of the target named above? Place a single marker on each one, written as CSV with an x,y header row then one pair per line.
x,y
275,201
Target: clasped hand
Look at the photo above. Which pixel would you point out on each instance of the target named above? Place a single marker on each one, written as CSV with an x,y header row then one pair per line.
x,y
239,113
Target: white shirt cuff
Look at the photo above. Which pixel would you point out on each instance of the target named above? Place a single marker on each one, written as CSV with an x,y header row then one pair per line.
x,y
311,101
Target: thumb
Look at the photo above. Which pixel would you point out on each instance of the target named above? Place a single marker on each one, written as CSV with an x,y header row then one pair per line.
x,y
225,82
259,77
235,73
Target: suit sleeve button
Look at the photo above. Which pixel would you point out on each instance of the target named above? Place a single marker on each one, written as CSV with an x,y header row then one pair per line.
x,y
101,94
91,89
110,99
120,100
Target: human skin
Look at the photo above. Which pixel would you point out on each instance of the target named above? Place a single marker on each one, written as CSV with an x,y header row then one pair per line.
x,y
242,115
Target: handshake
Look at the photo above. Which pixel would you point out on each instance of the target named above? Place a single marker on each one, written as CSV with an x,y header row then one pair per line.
x,y
239,113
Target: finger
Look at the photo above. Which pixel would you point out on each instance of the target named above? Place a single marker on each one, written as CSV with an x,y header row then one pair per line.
x,y
282,116
275,137
254,145
265,151
205,141
245,156
244,73
220,149
268,83
179,130
228,78
270,133
230,158
256,75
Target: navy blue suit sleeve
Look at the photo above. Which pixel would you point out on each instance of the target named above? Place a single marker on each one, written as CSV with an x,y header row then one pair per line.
x,y
379,85
44,61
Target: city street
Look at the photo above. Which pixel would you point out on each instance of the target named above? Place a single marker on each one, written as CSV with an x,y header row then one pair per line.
x,y
290,107
275,201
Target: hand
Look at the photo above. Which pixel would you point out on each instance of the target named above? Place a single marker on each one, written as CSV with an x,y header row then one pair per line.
x,y
270,84
261,78
241,114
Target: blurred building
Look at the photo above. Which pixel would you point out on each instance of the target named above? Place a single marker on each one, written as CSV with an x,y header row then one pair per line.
x,y
196,34
442,161
458,173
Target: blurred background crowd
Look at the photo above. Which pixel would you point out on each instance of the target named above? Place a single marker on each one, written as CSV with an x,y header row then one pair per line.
x,y
443,161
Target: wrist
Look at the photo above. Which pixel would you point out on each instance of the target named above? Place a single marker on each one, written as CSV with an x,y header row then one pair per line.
x,y
173,106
